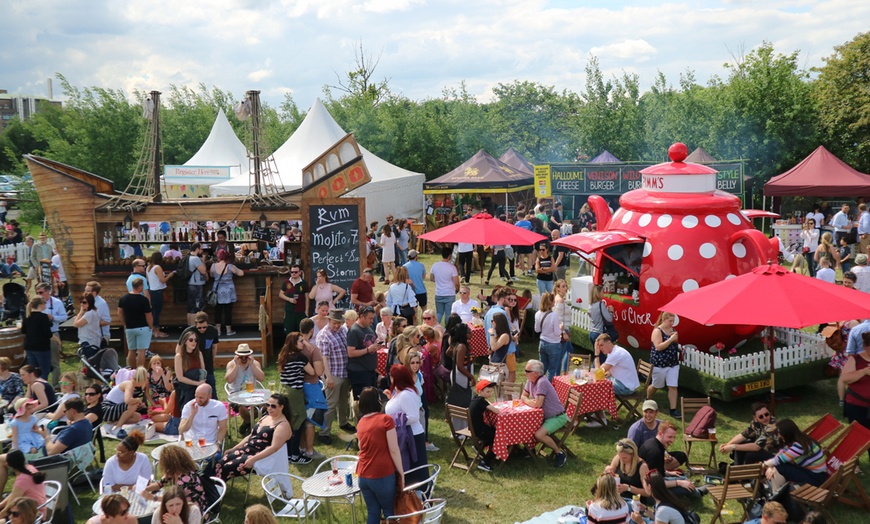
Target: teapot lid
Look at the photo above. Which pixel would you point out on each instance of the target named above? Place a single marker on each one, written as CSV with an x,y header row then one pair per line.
x,y
678,176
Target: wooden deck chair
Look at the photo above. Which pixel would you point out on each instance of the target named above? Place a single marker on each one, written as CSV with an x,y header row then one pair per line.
x,y
462,437
634,401
575,398
851,443
688,408
734,488
822,497
825,427
510,390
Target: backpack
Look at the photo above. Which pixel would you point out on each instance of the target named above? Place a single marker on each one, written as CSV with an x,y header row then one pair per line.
x,y
184,272
703,420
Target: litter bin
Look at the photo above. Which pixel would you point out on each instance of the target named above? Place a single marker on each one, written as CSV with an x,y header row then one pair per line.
x,y
56,467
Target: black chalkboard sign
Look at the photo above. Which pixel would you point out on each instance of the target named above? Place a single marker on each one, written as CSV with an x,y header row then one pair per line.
x,y
267,234
45,271
334,243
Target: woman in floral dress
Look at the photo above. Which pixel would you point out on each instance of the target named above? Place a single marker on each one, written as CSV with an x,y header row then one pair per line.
x,y
270,434
179,470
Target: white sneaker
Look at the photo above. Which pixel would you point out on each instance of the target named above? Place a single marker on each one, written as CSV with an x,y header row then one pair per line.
x,y
432,447
594,424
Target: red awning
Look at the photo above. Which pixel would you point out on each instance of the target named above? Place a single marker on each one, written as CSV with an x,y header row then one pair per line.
x,y
593,241
752,214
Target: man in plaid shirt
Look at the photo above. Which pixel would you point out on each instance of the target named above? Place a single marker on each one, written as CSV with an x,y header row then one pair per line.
x,y
332,343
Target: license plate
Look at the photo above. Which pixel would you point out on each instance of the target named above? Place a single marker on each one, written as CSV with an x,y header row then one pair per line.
x,y
761,384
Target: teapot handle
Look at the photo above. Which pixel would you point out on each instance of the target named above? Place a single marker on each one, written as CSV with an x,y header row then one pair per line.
x,y
764,247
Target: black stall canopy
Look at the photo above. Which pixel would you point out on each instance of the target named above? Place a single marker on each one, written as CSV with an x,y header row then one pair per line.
x,y
482,173
517,161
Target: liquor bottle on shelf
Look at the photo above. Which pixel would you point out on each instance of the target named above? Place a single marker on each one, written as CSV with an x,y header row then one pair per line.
x,y
174,236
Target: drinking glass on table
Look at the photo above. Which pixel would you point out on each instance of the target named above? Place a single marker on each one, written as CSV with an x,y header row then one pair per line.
x,y
249,386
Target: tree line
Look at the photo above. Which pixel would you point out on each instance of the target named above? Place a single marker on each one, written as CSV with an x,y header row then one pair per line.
x,y
764,109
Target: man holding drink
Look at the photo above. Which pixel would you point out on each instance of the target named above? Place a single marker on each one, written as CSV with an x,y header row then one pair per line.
x,y
242,371
204,417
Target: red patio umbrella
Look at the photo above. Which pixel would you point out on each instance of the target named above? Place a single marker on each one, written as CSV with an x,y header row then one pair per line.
x,y
483,229
771,295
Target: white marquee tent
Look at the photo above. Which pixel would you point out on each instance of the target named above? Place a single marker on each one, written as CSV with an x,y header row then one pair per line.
x,y
393,190
222,148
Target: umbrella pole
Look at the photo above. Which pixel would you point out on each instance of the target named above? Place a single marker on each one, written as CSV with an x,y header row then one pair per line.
x,y
769,330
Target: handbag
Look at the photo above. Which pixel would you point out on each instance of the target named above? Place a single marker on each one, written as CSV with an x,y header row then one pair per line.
x,y
211,297
406,310
407,502
495,372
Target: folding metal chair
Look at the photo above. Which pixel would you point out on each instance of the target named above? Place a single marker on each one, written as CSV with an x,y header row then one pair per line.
x,y
424,488
212,513
80,459
282,503
52,493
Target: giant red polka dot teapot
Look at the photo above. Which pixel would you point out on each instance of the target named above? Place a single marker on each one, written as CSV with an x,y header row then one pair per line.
x,y
674,234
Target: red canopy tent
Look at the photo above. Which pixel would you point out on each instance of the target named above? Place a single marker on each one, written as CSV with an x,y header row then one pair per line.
x,y
820,174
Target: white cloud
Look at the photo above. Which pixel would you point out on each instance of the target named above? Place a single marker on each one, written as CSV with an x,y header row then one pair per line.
x,y
425,45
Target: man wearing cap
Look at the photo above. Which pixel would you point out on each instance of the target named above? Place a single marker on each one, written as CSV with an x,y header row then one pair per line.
x,y
362,291
485,432
417,274
862,273
647,427
332,342
241,369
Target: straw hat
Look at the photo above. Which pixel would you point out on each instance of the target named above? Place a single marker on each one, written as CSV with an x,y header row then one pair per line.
x,y
244,350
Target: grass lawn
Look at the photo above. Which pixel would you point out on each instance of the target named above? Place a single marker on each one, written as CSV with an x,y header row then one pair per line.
x,y
519,491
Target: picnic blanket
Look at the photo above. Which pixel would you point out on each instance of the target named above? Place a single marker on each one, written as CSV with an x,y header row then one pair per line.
x,y
565,514
156,438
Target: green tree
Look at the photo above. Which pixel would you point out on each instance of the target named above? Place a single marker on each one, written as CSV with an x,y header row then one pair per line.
x,y
842,93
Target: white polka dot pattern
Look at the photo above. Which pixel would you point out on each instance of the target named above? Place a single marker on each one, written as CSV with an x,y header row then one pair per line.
x,y
597,396
690,285
707,250
734,219
645,219
652,285
739,250
626,218
664,221
633,341
690,221
647,249
675,252
713,221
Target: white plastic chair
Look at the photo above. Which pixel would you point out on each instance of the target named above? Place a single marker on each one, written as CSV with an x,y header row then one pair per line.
x,y
52,492
281,501
433,510
208,517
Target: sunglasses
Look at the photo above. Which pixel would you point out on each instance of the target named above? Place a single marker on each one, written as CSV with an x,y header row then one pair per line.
x,y
273,406
191,339
14,514
427,318
367,309
83,302
202,328
463,292
763,415
89,394
64,383
530,371
295,272
415,362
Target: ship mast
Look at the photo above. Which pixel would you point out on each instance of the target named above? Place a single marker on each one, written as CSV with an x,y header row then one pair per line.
x,y
144,185
263,171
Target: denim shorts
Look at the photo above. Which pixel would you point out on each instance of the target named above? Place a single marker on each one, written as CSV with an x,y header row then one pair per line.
x,y
138,338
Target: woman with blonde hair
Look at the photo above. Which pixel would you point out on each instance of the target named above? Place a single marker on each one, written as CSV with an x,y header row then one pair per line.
x,y
69,390
631,471
665,358
562,309
22,510
350,317
430,320
548,324
121,406
607,506
827,249
259,514
401,298
800,266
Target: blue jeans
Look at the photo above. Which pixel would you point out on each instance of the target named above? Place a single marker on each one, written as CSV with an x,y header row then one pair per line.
x,y
545,286
567,348
551,357
379,494
40,359
443,304
403,256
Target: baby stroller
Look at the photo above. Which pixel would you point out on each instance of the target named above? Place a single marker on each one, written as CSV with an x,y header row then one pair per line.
x,y
14,303
95,364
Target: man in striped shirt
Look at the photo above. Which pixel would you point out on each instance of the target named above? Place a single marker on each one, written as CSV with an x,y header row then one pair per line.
x,y
332,343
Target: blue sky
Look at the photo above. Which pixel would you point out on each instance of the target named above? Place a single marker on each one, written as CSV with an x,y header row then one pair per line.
x,y
425,46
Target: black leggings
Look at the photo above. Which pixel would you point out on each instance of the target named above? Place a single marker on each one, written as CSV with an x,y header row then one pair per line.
x,y
498,258
223,314
465,261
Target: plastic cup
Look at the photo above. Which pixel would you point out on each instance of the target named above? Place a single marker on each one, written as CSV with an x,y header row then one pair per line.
x,y
188,442
202,442
712,431
272,385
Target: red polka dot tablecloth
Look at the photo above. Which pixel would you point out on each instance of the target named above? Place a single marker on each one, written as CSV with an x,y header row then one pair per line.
x,y
597,396
382,362
477,342
514,426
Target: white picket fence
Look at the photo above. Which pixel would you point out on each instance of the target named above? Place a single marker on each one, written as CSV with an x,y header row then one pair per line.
x,y
800,347
803,347
19,251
